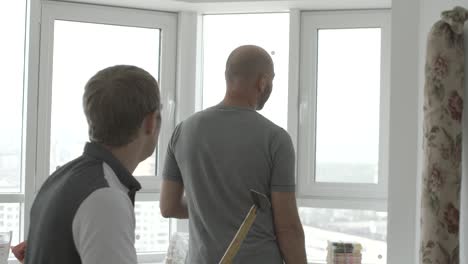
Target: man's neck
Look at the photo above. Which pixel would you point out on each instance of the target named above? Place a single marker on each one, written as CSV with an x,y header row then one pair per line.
x,y
126,155
238,99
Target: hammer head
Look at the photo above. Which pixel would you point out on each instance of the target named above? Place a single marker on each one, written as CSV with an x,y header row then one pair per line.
x,y
260,200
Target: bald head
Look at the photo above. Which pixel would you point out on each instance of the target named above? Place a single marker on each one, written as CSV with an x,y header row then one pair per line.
x,y
249,77
247,63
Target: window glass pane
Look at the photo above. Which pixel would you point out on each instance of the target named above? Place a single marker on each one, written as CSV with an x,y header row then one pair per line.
x,y
80,50
369,228
348,100
10,220
224,33
12,27
152,230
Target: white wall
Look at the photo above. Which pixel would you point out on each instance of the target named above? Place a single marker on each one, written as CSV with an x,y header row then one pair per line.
x,y
411,23
403,195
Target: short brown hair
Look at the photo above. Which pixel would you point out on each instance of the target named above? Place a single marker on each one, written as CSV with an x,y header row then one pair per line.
x,y
116,101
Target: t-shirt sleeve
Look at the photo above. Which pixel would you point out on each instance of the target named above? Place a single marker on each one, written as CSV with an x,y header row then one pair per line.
x,y
283,164
171,170
104,228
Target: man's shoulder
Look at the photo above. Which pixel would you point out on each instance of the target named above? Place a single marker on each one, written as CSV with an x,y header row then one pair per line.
x,y
280,132
191,120
250,119
77,179
104,207
201,114
81,165
107,199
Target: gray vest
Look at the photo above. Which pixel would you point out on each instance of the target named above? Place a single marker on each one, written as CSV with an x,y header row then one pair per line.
x,y
50,239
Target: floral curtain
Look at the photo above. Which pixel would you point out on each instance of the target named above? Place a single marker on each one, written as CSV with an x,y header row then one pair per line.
x,y
443,107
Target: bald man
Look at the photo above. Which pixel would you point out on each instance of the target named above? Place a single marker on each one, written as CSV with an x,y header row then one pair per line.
x,y
218,155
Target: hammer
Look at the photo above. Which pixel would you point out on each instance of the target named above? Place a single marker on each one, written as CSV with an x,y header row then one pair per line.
x,y
260,201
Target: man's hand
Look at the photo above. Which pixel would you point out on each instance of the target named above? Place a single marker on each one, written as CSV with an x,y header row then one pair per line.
x,y
19,251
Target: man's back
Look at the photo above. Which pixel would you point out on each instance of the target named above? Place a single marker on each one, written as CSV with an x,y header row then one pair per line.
x,y
220,154
84,213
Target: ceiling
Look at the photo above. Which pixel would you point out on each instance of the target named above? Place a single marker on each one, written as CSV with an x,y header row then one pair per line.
x,y
227,6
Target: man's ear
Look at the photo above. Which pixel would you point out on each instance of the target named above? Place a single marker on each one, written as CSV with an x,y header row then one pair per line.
x,y
151,122
262,83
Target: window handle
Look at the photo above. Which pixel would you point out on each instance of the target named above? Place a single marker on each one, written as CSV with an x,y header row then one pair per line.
x,y
170,110
302,112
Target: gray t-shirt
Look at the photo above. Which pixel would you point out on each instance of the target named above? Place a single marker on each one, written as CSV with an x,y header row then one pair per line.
x,y
219,154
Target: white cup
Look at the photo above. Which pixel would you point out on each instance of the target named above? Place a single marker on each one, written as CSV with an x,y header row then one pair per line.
x,y
5,243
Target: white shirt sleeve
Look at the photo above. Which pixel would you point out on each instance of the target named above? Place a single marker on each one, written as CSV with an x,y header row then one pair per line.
x,y
104,228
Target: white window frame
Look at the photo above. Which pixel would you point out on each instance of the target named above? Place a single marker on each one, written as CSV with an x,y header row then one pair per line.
x,y
23,197
301,103
165,21
338,195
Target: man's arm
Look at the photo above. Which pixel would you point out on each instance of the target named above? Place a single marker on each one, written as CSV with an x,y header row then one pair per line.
x,y
172,201
288,227
104,228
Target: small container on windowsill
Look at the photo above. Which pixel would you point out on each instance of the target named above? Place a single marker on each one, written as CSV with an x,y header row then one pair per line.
x,y
344,252
5,243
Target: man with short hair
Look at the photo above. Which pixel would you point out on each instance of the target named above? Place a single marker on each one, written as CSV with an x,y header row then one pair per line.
x,y
84,212
217,155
